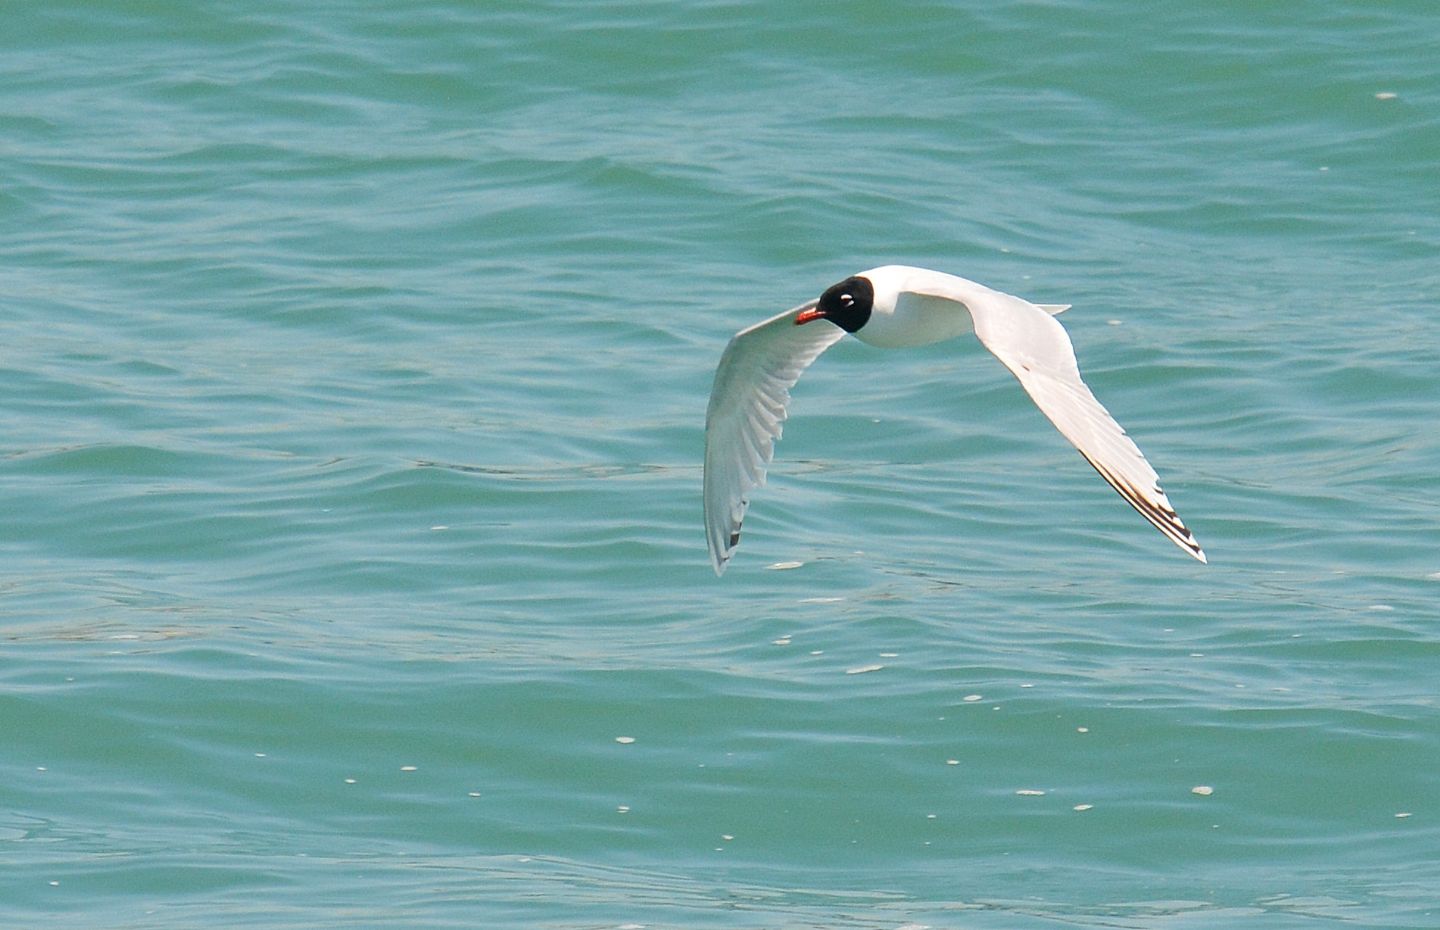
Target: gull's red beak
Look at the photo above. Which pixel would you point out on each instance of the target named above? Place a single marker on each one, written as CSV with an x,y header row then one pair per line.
x,y
809,315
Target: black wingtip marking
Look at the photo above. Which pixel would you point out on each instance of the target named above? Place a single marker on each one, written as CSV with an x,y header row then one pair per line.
x,y
1163,518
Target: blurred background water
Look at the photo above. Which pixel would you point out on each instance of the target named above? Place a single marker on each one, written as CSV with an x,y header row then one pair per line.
x,y
354,363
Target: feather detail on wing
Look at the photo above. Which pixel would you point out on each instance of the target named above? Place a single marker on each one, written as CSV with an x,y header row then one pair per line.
x,y
1037,350
748,405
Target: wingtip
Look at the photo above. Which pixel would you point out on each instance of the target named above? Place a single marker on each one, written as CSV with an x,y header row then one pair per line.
x,y
719,560
1154,507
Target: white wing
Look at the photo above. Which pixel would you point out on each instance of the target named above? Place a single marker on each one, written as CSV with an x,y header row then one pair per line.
x,y
1037,350
747,407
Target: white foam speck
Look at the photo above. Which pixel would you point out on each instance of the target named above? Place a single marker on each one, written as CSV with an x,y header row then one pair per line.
x,y
440,526
1402,815
1386,95
623,809
1083,807
627,740
784,566
889,655
972,698
1203,790
349,781
952,761
783,641
862,669
1030,793
1082,729
409,768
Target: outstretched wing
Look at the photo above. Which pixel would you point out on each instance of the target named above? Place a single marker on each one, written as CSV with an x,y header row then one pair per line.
x,y
1030,342
748,405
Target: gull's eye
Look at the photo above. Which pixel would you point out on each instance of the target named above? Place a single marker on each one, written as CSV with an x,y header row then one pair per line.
x,y
846,300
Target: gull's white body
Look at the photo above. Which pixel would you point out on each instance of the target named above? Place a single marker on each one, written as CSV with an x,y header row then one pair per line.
x,y
911,307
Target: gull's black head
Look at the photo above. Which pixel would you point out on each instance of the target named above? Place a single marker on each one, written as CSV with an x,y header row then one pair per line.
x,y
847,304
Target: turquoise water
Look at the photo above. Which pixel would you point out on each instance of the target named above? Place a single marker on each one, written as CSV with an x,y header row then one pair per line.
x,y
354,364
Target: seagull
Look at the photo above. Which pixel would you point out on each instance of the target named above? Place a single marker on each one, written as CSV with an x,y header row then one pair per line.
x,y
897,306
